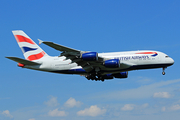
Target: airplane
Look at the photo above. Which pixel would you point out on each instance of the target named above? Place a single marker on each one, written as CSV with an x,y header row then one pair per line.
x,y
92,65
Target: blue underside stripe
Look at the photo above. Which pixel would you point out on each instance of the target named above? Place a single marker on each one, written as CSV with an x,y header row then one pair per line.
x,y
81,71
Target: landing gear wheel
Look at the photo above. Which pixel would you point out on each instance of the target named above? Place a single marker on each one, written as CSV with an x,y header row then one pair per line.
x,y
163,73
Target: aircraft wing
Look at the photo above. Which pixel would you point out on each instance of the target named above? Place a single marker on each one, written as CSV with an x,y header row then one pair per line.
x,y
75,56
58,47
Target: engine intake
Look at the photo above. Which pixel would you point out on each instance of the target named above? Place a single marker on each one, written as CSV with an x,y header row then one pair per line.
x,y
113,63
90,56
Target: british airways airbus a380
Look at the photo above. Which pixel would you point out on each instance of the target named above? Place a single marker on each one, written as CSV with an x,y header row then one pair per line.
x,y
92,65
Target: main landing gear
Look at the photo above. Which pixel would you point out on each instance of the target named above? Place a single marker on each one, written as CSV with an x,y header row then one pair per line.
x,y
163,71
95,77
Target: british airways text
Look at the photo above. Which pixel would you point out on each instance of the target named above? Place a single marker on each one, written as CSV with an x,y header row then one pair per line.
x,y
132,57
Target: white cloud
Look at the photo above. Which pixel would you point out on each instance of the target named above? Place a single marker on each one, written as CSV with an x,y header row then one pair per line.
x,y
56,113
161,95
128,107
52,102
175,107
163,109
71,102
145,105
142,92
92,111
143,80
32,119
7,114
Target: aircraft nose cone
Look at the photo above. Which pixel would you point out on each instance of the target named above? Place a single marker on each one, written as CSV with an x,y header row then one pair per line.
x,y
171,61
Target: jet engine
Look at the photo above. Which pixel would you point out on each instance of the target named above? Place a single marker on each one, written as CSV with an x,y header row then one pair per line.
x,y
112,63
107,76
90,56
117,75
121,75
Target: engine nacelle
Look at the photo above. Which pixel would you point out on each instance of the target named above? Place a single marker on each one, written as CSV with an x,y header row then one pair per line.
x,y
107,76
121,75
113,63
90,56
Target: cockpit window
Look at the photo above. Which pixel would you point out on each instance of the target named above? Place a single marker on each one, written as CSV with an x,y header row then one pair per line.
x,y
166,56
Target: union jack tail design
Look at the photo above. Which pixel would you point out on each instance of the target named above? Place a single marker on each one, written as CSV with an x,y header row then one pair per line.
x,y
30,49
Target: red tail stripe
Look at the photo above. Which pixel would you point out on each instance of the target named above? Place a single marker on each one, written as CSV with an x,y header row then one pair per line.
x,y
21,38
147,53
36,56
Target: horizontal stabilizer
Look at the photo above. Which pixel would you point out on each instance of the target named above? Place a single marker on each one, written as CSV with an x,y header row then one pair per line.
x,y
23,61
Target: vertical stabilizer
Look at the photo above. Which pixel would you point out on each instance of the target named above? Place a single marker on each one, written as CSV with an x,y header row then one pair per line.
x,y
30,49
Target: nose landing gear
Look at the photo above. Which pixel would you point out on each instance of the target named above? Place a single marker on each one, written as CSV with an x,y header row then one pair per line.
x,y
163,71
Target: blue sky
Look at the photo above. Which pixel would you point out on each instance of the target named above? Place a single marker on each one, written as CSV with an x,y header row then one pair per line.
x,y
90,25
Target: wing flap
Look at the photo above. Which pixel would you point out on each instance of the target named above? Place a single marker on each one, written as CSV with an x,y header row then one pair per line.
x,y
23,61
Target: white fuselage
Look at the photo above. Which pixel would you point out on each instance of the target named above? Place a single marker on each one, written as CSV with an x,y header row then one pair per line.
x,y
130,60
